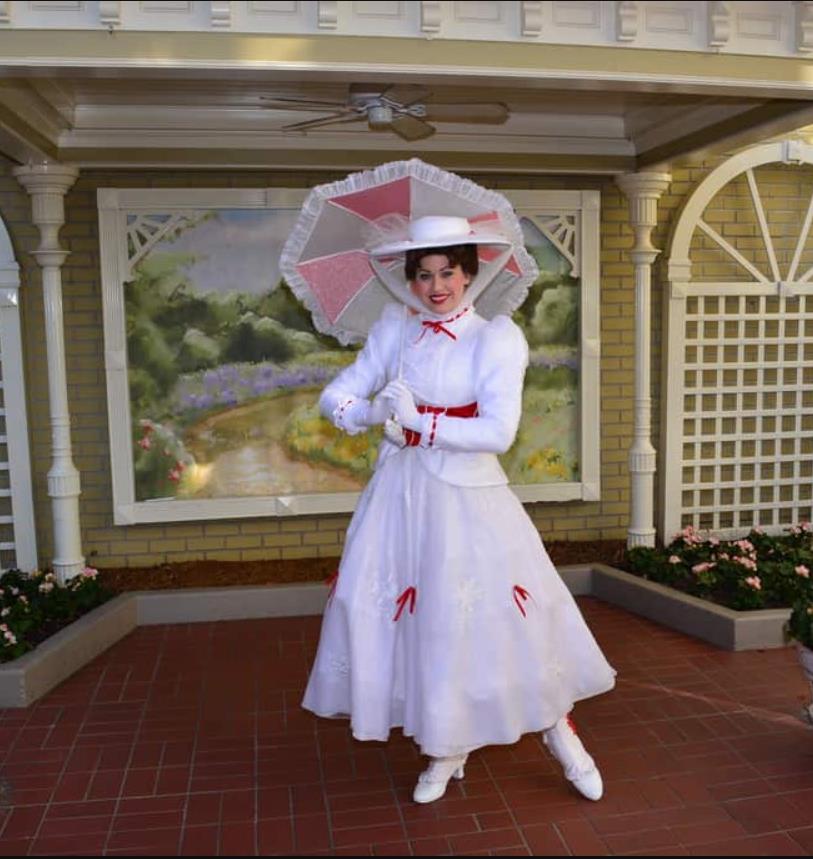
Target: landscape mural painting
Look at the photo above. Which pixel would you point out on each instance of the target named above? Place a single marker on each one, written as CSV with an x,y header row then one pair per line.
x,y
225,369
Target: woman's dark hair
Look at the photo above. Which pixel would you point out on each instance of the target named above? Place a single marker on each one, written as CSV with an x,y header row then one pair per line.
x,y
463,255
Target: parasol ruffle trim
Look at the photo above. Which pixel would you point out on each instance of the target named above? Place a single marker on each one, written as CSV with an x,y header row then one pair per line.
x,y
463,188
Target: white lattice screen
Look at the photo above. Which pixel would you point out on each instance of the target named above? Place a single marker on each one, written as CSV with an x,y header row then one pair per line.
x,y
738,380
747,450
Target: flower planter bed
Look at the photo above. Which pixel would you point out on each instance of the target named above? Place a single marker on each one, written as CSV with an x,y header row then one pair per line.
x,y
31,676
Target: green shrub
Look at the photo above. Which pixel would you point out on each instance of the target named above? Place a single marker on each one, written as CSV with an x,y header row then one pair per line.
x,y
32,607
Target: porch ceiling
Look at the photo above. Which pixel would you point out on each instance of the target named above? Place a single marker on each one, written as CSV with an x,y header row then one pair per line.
x,y
603,113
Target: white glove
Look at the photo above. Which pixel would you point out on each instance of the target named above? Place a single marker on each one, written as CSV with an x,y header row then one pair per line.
x,y
360,415
395,433
402,404
380,410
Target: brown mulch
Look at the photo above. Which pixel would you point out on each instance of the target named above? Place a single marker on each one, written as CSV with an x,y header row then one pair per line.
x,y
207,574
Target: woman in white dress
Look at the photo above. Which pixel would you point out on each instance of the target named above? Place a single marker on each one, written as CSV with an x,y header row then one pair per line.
x,y
447,618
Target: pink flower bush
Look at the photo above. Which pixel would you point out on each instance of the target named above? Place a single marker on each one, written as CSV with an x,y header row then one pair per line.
x,y
34,606
748,563
703,567
757,570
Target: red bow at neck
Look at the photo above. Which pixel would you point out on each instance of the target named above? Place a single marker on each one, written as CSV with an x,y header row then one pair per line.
x,y
438,325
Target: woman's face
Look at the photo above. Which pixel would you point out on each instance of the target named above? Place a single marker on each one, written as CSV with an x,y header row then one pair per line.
x,y
438,285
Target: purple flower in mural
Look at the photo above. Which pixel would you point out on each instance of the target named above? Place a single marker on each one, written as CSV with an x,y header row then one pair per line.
x,y
550,361
233,384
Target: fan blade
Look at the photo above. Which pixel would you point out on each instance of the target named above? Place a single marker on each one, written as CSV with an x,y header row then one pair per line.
x,y
493,113
406,94
333,119
401,94
411,128
287,103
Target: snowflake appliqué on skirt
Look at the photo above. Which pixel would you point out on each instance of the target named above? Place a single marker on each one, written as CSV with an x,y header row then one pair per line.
x,y
382,596
468,596
339,664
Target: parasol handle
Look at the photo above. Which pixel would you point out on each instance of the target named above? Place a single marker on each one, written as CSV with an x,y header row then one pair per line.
x,y
402,344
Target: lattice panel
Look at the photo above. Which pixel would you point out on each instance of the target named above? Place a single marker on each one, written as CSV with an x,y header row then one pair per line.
x,y
146,231
747,440
562,231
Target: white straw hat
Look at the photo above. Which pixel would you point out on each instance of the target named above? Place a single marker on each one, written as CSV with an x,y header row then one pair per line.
x,y
432,231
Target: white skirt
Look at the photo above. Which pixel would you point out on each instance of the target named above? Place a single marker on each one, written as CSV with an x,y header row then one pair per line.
x,y
449,620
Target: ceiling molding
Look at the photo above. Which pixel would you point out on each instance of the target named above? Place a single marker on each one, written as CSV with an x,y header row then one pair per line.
x,y
54,93
342,160
32,109
150,141
162,54
767,120
703,119
22,143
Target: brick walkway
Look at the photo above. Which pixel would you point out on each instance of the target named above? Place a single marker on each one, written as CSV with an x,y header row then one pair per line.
x,y
189,739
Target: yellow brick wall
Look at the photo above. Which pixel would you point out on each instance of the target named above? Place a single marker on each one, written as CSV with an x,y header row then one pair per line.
x,y
107,545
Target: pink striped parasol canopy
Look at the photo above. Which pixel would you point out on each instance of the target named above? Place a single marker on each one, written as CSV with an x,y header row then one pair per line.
x,y
327,259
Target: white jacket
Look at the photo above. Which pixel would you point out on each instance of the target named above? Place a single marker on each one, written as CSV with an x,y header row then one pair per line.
x,y
466,360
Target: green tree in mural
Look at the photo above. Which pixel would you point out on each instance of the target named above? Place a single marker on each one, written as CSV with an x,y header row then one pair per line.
x,y
152,299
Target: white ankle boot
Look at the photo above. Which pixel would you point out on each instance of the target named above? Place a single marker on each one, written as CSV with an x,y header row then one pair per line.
x,y
433,780
580,769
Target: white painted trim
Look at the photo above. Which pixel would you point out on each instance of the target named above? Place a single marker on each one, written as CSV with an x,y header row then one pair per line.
x,y
19,458
585,205
700,27
671,453
113,262
590,335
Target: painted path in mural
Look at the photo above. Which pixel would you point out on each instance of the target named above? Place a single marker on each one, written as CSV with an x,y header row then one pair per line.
x,y
243,454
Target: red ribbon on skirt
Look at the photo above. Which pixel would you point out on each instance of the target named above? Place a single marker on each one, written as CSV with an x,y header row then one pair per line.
x,y
520,593
409,595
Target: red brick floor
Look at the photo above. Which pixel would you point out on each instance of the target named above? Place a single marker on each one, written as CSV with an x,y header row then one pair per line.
x,y
189,739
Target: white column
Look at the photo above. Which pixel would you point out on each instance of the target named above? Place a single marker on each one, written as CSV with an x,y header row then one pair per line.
x,y
47,184
643,191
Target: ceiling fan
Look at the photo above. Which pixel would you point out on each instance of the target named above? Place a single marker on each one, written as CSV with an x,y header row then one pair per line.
x,y
403,109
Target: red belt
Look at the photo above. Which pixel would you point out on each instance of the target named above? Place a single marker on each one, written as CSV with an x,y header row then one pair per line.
x,y
413,439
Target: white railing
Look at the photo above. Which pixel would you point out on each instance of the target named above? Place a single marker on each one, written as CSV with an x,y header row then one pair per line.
x,y
757,28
